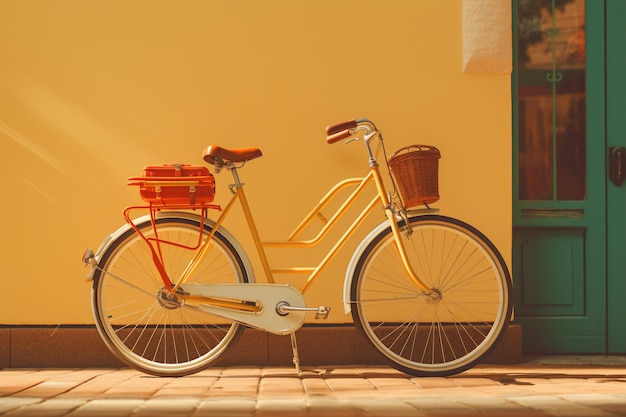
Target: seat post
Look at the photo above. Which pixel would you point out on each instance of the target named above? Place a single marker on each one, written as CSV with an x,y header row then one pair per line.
x,y
233,169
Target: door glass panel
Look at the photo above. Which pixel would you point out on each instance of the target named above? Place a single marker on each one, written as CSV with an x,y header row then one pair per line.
x,y
551,100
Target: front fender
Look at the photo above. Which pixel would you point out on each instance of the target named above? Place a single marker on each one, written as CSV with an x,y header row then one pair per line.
x,y
358,253
356,256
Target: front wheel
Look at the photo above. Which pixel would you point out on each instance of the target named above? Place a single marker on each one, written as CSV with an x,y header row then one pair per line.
x,y
449,329
148,327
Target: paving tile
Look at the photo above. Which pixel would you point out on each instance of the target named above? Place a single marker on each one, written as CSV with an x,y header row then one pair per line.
x,y
280,387
213,372
17,381
566,380
597,400
235,387
54,407
316,386
388,407
434,382
354,386
440,406
8,404
107,407
501,406
101,382
168,407
275,407
169,392
475,382
48,389
279,371
394,384
450,393
249,372
187,386
226,407
332,406
555,406
137,386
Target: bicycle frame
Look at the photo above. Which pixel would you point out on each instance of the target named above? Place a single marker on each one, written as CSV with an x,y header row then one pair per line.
x,y
360,185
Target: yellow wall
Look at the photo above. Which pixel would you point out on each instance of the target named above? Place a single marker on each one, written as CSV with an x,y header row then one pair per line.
x,y
90,92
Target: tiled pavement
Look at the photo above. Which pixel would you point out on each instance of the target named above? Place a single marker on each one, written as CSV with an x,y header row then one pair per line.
x,y
528,389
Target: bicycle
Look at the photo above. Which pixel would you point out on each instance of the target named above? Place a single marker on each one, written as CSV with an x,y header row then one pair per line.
x,y
172,289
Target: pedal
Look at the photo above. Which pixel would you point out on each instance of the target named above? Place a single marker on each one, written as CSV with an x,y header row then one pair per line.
x,y
322,313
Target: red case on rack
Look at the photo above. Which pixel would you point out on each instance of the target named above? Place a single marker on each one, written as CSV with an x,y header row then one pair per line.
x,y
175,184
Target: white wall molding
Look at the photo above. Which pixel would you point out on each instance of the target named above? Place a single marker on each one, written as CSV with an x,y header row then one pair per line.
x,y
487,36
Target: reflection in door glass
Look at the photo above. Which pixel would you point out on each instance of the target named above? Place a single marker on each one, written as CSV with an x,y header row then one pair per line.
x,y
551,100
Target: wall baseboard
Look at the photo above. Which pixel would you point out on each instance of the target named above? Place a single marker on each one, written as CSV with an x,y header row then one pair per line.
x,y
81,347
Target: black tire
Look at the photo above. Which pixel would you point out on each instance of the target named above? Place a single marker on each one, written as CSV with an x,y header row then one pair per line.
x,y
449,330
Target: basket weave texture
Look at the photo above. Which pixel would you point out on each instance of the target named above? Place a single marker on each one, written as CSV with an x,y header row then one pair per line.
x,y
416,171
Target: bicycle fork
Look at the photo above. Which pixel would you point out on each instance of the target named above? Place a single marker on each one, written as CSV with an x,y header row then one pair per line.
x,y
395,229
397,234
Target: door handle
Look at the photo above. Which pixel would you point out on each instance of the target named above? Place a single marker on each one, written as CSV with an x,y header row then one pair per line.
x,y
617,165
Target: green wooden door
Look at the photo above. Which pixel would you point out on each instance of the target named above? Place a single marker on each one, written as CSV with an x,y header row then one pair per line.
x,y
569,254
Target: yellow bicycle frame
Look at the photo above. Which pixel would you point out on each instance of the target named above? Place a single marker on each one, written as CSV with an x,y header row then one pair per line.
x,y
360,185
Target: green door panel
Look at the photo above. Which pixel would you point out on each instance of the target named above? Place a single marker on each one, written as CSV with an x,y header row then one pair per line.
x,y
550,277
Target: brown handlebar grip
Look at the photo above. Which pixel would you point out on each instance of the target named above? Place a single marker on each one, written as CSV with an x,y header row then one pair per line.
x,y
339,127
338,136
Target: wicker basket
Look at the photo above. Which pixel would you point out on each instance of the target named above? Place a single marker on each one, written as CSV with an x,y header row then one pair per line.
x,y
416,171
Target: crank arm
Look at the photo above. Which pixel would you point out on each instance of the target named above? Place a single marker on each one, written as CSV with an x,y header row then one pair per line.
x,y
283,308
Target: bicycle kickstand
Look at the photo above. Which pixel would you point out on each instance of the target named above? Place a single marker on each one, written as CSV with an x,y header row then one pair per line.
x,y
296,357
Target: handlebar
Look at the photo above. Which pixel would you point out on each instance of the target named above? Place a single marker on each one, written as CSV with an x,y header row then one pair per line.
x,y
338,127
343,130
342,134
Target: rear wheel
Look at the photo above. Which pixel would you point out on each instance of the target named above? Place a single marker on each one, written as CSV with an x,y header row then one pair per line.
x,y
149,327
448,330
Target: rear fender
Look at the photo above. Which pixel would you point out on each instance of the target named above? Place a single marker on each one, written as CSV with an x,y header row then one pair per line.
x,y
106,243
